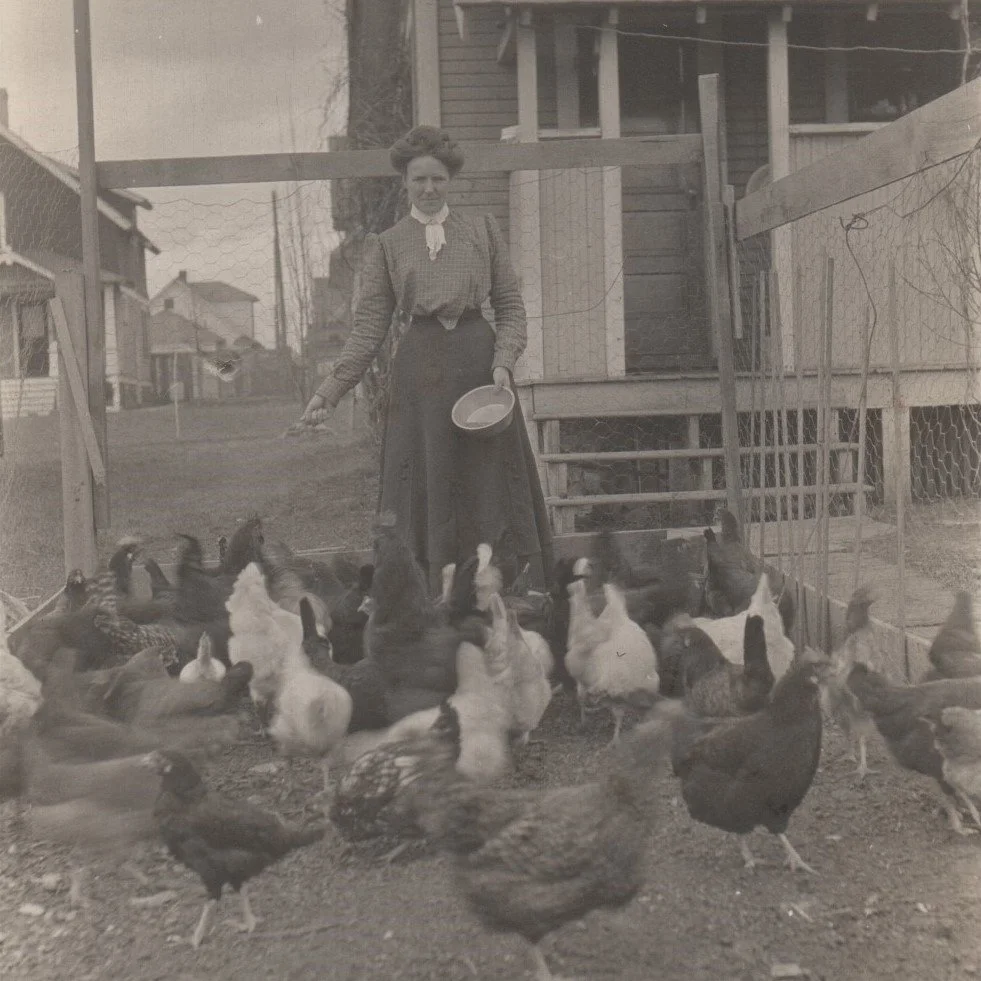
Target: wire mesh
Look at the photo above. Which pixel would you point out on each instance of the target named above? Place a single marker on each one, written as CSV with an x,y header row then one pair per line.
x,y
878,356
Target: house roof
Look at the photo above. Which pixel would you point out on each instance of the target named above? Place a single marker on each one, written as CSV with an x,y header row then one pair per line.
x,y
215,291
69,178
170,330
119,192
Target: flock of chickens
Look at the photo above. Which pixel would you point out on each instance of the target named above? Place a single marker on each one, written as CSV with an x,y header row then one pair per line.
x,y
421,711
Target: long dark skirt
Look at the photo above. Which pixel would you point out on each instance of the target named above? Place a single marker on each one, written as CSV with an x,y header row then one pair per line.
x,y
450,491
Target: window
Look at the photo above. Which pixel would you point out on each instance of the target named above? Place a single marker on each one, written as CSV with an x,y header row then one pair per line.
x,y
32,339
168,304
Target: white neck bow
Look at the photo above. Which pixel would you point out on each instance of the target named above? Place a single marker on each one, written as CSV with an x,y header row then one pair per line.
x,y
435,236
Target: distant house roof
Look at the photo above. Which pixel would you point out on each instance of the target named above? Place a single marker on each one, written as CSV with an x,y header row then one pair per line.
x,y
69,178
217,292
170,330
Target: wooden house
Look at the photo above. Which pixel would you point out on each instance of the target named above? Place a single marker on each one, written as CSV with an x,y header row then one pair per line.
x,y
40,237
178,347
221,307
621,353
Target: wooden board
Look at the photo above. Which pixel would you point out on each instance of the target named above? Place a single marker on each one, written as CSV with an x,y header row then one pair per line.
x,y
481,157
943,129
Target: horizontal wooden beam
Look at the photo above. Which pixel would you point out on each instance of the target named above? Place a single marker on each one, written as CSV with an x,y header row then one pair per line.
x,y
628,456
718,494
663,151
942,4
941,130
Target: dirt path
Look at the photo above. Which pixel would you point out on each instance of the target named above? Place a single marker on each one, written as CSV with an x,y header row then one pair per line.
x,y
898,897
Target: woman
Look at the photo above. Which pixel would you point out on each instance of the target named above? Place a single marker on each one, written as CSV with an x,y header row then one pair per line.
x,y
448,491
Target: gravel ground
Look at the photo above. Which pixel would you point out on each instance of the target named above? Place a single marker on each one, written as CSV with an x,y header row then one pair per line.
x,y
897,896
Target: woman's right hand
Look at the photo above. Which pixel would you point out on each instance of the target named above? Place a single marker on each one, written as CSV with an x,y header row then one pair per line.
x,y
316,412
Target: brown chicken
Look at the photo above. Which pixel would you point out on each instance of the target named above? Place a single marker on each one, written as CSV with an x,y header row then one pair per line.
x,y
840,702
957,737
528,862
956,650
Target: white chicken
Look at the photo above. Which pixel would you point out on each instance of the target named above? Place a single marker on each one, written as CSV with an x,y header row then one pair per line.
x,y
262,634
728,632
20,692
312,712
610,657
524,676
204,667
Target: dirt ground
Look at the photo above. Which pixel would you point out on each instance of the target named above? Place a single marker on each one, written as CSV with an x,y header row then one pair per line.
x,y
898,896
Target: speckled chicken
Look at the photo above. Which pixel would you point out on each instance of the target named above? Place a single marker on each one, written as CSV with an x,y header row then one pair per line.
x,y
956,650
906,715
224,841
840,702
957,736
754,771
528,862
380,795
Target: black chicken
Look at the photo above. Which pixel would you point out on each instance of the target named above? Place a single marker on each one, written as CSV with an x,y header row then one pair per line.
x,y
754,771
683,651
906,715
108,588
530,861
727,689
956,650
362,680
224,841
348,620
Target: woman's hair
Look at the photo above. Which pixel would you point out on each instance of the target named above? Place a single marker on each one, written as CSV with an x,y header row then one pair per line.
x,y
427,141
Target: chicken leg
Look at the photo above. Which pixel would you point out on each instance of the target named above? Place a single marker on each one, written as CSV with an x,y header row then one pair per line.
x,y
749,859
796,863
204,923
248,922
618,713
863,759
542,972
954,816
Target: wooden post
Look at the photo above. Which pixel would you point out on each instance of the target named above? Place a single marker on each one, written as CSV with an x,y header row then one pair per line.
x,y
609,120
425,62
525,194
778,130
824,451
899,473
94,341
566,74
717,287
76,474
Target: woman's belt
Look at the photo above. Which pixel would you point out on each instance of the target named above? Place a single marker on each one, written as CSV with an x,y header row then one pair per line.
x,y
432,318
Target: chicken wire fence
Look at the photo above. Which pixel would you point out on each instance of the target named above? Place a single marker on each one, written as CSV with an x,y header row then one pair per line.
x,y
858,362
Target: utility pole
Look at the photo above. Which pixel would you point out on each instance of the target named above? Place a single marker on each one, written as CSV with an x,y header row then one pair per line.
x,y
278,278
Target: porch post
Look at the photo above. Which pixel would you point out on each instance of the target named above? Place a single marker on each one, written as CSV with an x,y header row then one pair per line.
x,y
425,62
526,231
609,119
778,117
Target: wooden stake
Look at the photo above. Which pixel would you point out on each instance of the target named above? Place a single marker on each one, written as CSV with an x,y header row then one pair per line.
x,y
901,452
824,438
94,341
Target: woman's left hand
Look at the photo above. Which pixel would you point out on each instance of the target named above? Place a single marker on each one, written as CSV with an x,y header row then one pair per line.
x,y
502,378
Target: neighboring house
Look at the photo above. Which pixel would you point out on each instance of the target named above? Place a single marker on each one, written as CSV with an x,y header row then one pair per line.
x,y
40,236
221,307
178,348
612,259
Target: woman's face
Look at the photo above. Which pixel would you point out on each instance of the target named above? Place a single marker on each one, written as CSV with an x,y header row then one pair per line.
x,y
426,181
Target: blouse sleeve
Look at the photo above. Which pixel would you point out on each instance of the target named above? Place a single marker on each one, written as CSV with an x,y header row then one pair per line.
x,y
510,320
371,322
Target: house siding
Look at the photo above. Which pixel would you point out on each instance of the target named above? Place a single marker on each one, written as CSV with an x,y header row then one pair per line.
x,y
478,98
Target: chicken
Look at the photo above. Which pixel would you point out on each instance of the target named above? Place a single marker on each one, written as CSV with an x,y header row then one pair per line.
x,y
224,841
362,680
348,621
610,657
262,634
905,716
126,638
108,588
20,698
75,594
728,689
956,650
312,712
567,571
957,736
414,647
859,646
528,689
379,796
755,771
728,632
161,587
527,862
682,650
204,666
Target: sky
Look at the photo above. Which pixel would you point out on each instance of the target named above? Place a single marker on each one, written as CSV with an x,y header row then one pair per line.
x,y
190,78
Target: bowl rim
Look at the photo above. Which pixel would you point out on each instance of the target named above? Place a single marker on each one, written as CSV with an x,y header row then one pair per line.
x,y
510,400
